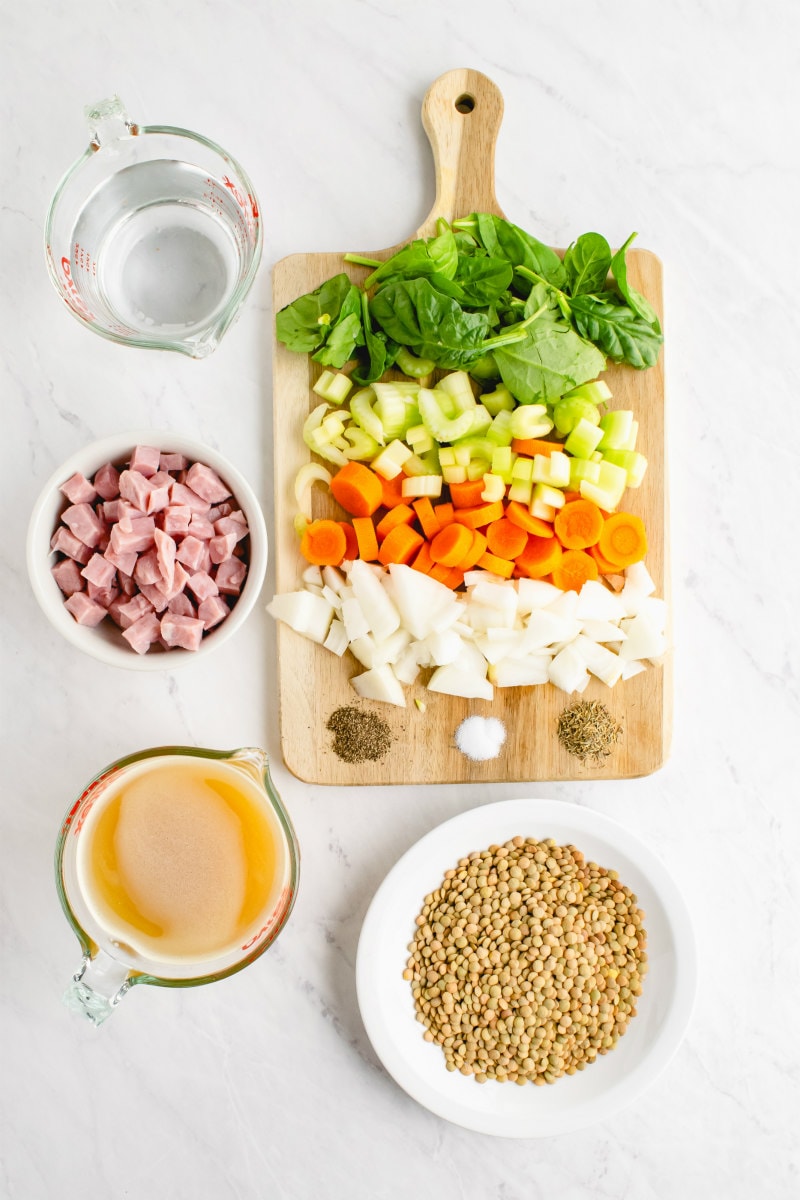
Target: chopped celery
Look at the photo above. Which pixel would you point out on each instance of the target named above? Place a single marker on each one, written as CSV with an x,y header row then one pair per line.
x,y
584,439
391,409
419,439
608,501
423,485
616,427
503,462
499,431
463,455
499,400
363,446
454,474
596,456
477,468
552,496
439,426
612,477
494,489
580,469
457,385
333,386
333,425
409,364
530,421
481,420
630,443
522,468
569,410
632,462
479,447
597,392
314,420
545,512
363,414
552,469
389,462
521,490
484,369
414,465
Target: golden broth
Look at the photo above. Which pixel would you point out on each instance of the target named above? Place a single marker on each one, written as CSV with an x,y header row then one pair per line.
x,y
182,860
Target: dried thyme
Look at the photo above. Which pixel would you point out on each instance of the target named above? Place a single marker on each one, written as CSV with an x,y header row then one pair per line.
x,y
358,735
588,730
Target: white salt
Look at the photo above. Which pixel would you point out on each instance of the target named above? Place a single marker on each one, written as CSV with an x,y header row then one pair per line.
x,y
480,737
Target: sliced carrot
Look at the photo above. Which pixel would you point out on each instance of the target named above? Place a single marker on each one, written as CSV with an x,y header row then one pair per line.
x,y
366,537
439,572
570,496
358,489
400,545
468,494
476,550
392,490
506,539
351,540
443,513
401,514
451,544
429,522
479,515
455,578
578,524
573,571
531,446
603,565
323,543
623,540
423,561
518,514
539,556
498,566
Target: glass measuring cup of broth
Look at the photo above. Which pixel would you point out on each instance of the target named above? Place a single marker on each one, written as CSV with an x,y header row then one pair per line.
x,y
154,235
176,867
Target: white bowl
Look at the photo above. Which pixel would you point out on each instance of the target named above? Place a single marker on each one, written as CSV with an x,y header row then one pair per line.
x,y
574,1101
105,641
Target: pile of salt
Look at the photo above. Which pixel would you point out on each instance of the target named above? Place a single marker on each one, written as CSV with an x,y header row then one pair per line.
x,y
480,738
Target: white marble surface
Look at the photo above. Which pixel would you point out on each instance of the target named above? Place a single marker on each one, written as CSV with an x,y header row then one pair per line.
x,y
677,120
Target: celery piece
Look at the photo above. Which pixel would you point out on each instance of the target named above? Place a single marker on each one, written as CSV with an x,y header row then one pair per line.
x,y
314,420
521,490
431,460
363,447
477,468
616,427
440,427
499,400
503,462
569,410
630,441
632,462
389,462
447,456
552,496
499,431
390,407
545,512
597,392
363,414
414,465
409,364
580,469
527,421
457,384
419,439
484,369
559,470
481,420
463,455
612,477
584,439
479,447
333,425
596,456
604,499
494,489
423,485
333,386
522,468
454,474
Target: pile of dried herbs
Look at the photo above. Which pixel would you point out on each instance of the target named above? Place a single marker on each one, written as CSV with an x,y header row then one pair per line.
x,y
588,730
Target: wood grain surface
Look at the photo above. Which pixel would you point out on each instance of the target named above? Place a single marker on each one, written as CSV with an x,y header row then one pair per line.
x,y
461,114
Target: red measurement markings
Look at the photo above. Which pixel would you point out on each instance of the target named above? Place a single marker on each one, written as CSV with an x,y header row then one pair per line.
x,y
283,903
71,293
87,800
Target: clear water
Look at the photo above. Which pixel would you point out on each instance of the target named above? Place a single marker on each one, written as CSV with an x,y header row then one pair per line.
x,y
158,250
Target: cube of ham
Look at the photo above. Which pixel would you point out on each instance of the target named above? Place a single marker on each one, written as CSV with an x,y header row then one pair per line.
x,y
207,483
157,598
145,460
68,544
232,524
180,579
186,632
172,462
212,611
220,510
83,522
67,575
166,549
203,585
138,536
125,562
175,519
181,494
181,605
221,547
142,633
136,488
230,576
84,610
201,527
102,596
126,582
130,611
158,499
99,571
106,482
147,569
78,489
190,552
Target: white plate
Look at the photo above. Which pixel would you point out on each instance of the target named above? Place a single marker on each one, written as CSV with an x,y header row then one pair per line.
x,y
573,1101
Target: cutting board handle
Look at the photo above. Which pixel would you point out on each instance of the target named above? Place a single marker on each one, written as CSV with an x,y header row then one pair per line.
x,y
461,114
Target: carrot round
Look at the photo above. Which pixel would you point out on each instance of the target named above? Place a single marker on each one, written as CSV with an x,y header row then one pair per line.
x,y
451,544
323,543
623,539
539,557
443,512
358,489
427,518
400,545
578,524
351,541
392,490
498,566
401,514
505,539
366,537
603,565
476,550
573,571
518,514
479,514
468,494
423,561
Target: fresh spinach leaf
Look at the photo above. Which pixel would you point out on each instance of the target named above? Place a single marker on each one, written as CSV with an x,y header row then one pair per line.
x,y
616,329
414,314
340,343
587,263
551,360
306,323
424,256
634,299
521,249
483,280
378,352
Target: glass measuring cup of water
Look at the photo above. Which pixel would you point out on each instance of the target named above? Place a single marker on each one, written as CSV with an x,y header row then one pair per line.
x,y
176,866
154,235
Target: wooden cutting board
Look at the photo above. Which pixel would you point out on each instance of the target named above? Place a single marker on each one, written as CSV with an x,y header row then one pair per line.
x,y
461,114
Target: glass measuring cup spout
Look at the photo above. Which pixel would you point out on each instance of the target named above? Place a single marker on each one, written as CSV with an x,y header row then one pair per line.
x,y
154,235
119,838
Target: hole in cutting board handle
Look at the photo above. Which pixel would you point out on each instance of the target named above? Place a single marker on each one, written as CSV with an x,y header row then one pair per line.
x,y
465,104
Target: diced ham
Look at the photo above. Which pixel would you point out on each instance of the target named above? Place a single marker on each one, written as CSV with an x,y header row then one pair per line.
x,y
181,494
142,633
130,611
166,550
203,585
181,605
180,579
157,598
158,499
111,511
220,510
175,519
125,562
126,582
99,571
114,607
230,576
231,525
201,527
68,544
172,462
106,482
123,541
78,489
84,610
207,483
221,547
190,552
145,460
212,611
136,488
67,575
83,522
147,569
100,595
181,631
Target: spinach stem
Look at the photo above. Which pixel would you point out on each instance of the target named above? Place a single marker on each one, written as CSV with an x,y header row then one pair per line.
x,y
361,261
514,333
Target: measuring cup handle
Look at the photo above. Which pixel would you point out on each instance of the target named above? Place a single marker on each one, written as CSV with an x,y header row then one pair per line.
x,y
97,988
461,114
108,122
